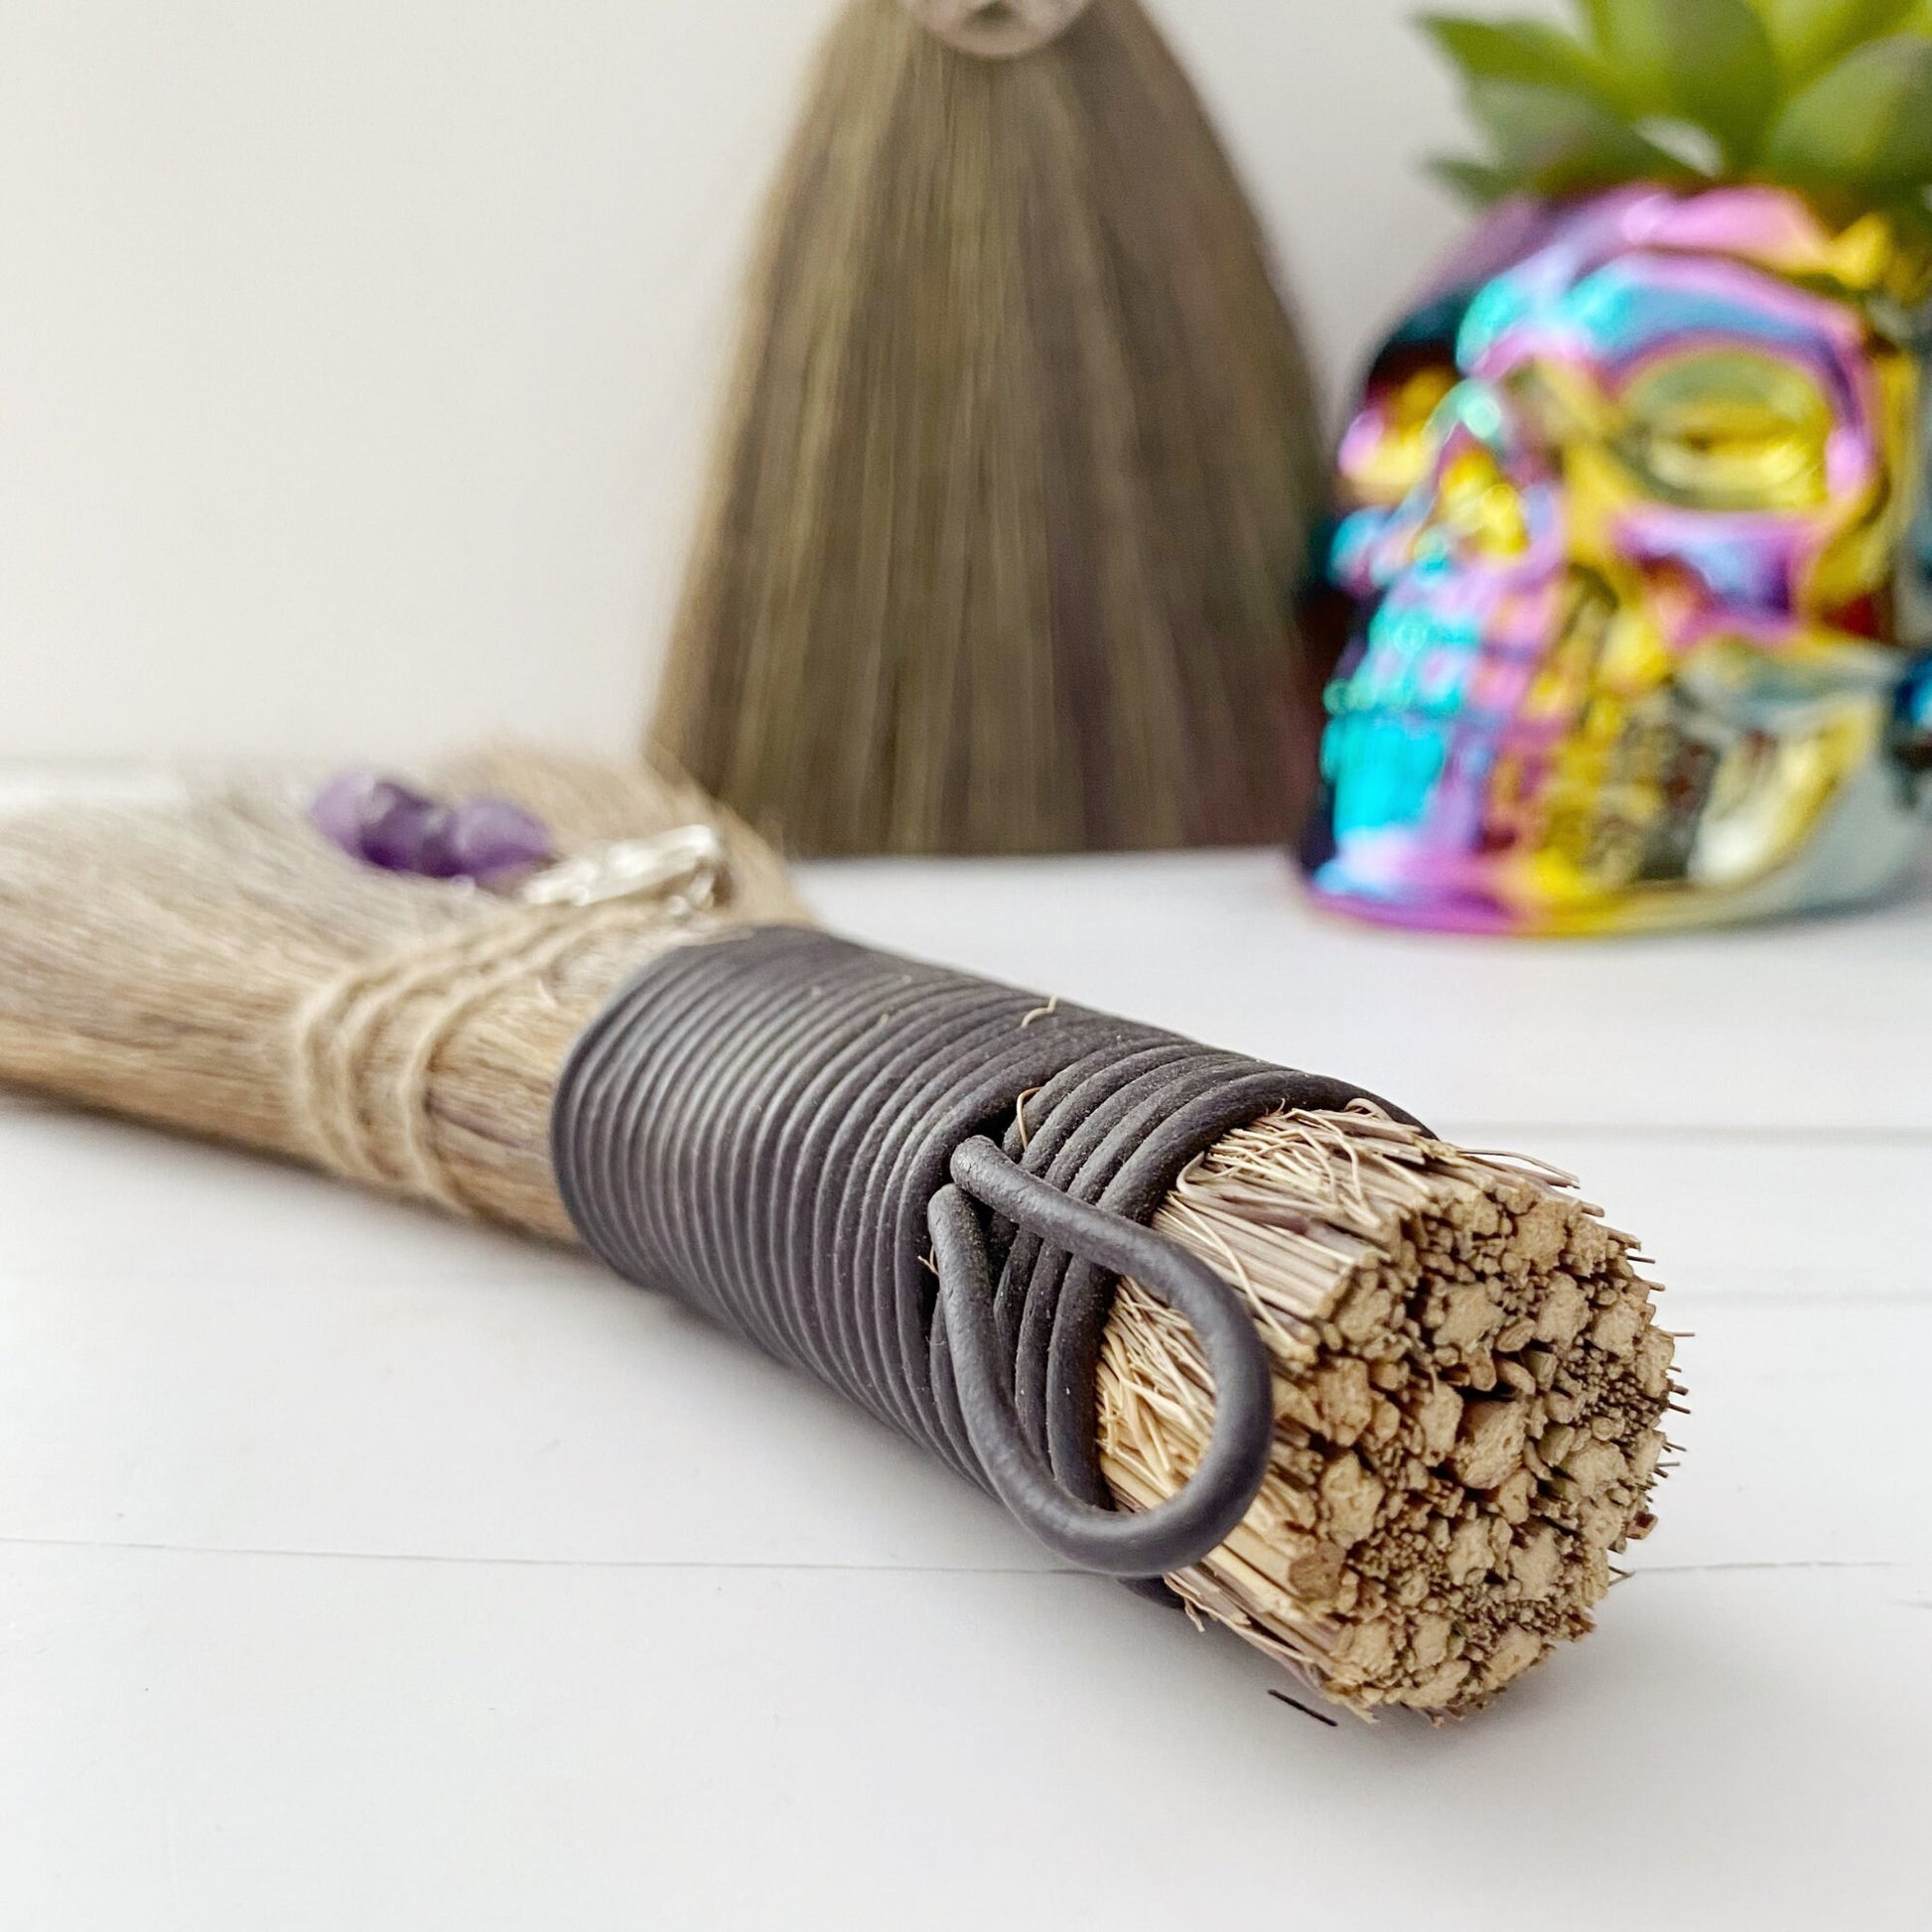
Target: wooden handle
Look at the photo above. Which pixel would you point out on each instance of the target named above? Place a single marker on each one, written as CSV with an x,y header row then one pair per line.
x,y
996,30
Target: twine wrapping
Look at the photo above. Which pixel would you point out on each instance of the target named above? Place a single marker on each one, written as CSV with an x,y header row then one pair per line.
x,y
413,1000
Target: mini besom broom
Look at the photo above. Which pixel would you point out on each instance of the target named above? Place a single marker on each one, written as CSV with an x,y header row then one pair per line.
x,y
1017,479
1383,1406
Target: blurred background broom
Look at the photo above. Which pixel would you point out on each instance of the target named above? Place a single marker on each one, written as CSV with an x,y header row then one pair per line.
x,y
1018,473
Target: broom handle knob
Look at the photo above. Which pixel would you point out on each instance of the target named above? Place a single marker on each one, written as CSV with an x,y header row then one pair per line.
x,y
996,30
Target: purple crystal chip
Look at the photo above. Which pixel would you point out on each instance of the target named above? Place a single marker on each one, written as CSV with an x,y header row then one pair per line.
x,y
386,824
492,839
338,811
407,833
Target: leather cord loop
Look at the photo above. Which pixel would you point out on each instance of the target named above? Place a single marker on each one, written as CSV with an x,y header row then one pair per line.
x,y
778,1127
1187,1525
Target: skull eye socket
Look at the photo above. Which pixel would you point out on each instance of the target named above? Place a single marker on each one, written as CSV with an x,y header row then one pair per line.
x,y
1385,452
1728,430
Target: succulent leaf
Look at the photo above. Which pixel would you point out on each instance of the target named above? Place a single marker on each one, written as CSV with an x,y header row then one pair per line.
x,y
1557,142
1480,183
1830,96
1693,144
1525,50
1865,122
1705,60
1809,35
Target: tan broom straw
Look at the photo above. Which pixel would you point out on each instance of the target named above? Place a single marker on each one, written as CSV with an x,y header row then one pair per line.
x,y
1016,481
1468,1380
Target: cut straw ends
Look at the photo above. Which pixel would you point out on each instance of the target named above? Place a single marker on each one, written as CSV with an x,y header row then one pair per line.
x,y
1469,1386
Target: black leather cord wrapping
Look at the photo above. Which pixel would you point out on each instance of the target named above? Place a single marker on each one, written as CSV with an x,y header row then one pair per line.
x,y
780,1128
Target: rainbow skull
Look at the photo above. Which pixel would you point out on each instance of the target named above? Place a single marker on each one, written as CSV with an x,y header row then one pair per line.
x,y
1641,565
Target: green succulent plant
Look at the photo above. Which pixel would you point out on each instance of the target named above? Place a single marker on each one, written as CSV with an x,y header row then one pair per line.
x,y
1832,97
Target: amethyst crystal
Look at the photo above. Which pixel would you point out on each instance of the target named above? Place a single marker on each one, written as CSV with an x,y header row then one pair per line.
x,y
408,833
387,824
492,839
338,810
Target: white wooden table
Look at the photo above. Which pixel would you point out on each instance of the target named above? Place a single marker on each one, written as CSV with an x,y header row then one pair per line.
x,y
359,1570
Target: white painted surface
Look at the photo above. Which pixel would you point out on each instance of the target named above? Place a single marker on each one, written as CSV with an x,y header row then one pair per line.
x,y
357,358
359,1570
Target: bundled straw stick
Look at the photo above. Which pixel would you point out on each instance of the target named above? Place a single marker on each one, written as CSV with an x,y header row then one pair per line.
x,y
1384,1407
1014,485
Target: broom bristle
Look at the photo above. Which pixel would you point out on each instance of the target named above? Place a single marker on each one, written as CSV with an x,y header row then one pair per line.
x,y
1018,472
178,960
1469,1379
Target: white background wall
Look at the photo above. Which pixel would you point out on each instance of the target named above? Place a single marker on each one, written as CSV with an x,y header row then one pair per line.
x,y
357,357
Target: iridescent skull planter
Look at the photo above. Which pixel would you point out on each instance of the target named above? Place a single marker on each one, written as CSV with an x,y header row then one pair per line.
x,y
1640,555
